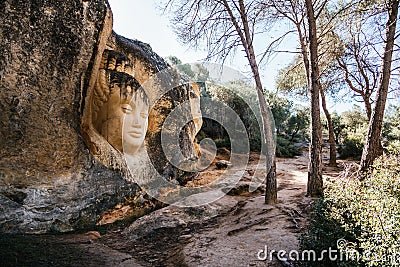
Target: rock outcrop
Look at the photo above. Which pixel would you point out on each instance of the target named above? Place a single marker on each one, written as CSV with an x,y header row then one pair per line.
x,y
58,172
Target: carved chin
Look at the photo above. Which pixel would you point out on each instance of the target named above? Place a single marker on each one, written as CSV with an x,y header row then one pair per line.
x,y
132,144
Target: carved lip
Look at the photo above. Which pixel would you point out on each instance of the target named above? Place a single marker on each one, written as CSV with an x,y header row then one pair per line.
x,y
135,133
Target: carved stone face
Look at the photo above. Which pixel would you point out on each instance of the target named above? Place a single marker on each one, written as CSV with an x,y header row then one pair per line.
x,y
125,122
121,105
135,122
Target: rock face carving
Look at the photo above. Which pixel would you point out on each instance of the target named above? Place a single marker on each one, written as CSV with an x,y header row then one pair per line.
x,y
119,101
130,72
63,72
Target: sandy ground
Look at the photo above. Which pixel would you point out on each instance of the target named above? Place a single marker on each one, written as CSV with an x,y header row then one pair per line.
x,y
237,230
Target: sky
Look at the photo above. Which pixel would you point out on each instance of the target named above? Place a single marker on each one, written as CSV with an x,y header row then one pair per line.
x,y
143,20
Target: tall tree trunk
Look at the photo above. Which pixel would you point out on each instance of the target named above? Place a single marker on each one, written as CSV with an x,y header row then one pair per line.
x,y
315,183
271,195
268,131
373,148
332,142
271,185
304,51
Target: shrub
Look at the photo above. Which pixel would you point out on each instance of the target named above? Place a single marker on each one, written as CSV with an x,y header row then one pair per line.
x,y
352,147
393,147
291,123
364,213
286,149
351,129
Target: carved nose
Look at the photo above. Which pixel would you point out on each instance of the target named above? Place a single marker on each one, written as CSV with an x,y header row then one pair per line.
x,y
135,121
136,125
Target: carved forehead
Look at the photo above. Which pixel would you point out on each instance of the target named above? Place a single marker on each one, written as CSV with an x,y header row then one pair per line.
x,y
122,80
127,86
113,83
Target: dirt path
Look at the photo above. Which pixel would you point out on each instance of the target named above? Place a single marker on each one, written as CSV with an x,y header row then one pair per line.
x,y
237,230
253,228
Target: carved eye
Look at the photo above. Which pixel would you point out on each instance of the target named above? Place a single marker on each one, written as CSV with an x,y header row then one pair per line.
x,y
144,115
126,108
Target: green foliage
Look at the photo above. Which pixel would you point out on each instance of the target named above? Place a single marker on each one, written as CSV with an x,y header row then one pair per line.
x,y
292,78
338,126
291,123
184,69
352,147
354,119
350,129
393,147
229,96
364,213
193,72
285,148
281,108
391,129
298,124
323,233
225,142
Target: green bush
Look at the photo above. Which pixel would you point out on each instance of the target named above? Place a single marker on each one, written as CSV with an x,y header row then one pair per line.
x,y
350,130
364,215
393,147
391,129
286,149
240,104
225,142
291,123
351,148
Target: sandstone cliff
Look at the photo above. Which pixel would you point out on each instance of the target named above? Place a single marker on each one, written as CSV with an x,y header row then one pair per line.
x,y
57,173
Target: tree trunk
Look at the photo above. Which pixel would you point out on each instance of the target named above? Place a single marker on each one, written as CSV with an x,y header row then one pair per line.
x,y
304,51
367,104
315,183
270,191
373,147
332,142
266,119
268,141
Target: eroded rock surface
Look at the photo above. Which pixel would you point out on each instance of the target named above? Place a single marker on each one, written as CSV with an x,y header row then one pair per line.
x,y
58,170
228,232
